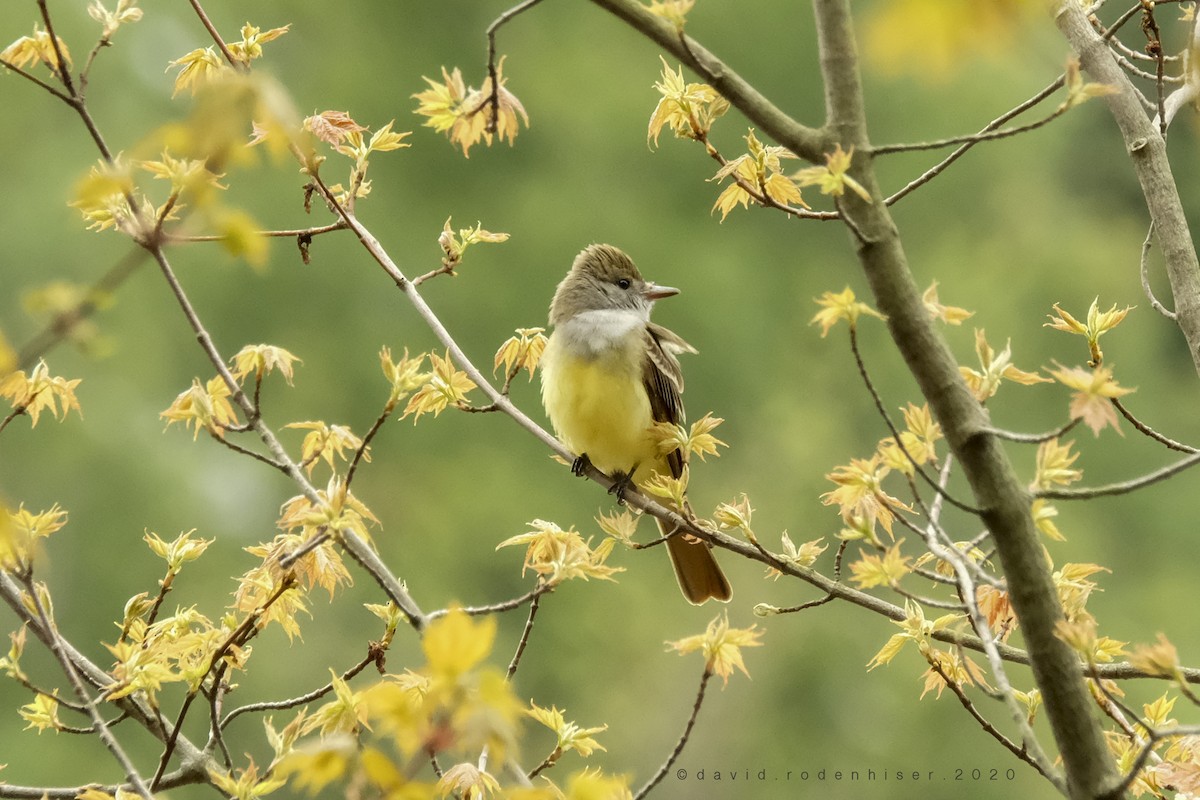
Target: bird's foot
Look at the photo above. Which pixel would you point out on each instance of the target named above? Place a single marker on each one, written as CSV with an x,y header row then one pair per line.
x,y
622,483
580,465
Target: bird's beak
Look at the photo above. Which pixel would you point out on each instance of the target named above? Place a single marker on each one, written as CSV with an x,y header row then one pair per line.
x,y
655,292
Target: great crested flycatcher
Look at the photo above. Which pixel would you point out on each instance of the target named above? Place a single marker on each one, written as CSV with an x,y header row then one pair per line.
x,y
608,374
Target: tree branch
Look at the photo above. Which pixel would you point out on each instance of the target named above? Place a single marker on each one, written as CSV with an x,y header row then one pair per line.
x,y
809,143
1148,155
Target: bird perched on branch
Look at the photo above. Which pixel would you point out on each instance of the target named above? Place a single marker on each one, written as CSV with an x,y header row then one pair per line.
x,y
609,374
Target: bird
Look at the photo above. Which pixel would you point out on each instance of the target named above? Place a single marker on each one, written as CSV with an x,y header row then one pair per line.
x,y
608,374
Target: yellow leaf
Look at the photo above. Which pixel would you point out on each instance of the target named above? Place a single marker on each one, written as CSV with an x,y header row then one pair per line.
x,y
1079,92
41,713
688,109
35,49
1159,660
951,315
860,492
1091,400
261,359
570,736
332,127
203,407
721,646
446,386
833,178
126,11
404,375
1055,465
559,555
40,391
1043,517
1098,323
456,643
994,368
467,780
841,306
197,69
469,115
673,11
523,351
887,570
250,47
802,556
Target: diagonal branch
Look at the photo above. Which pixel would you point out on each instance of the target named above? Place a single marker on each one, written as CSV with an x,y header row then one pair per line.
x,y
809,143
1148,154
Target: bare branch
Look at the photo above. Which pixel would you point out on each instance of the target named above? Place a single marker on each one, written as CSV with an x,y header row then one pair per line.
x,y
687,732
1122,487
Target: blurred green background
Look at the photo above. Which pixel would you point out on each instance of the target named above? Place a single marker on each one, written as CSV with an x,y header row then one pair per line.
x,y
1054,216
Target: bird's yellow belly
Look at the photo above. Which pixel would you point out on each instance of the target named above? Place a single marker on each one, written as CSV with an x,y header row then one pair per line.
x,y
599,407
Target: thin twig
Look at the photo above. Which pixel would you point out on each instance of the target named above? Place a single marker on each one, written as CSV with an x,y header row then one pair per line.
x,y
1121,487
1154,39
687,732
61,70
1144,269
988,728
524,640
962,149
237,448
972,138
543,587
293,702
216,37
820,601
68,667
887,418
1148,431
493,99
338,225
361,451
1035,438
31,77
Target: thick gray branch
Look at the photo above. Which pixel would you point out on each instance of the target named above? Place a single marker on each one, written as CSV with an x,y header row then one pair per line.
x,y
808,143
1148,153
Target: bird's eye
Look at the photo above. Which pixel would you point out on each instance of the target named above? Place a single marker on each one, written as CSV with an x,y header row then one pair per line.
x,y
624,283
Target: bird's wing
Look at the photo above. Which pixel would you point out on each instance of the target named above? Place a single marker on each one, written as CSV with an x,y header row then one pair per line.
x,y
664,382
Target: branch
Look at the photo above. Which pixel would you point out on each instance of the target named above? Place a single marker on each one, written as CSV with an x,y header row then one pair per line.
x,y
316,694
810,144
1035,438
941,166
55,643
988,727
1144,271
879,407
1122,487
133,706
358,549
687,732
64,322
985,135
494,98
495,608
524,640
1148,156
216,37
29,76
1145,429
